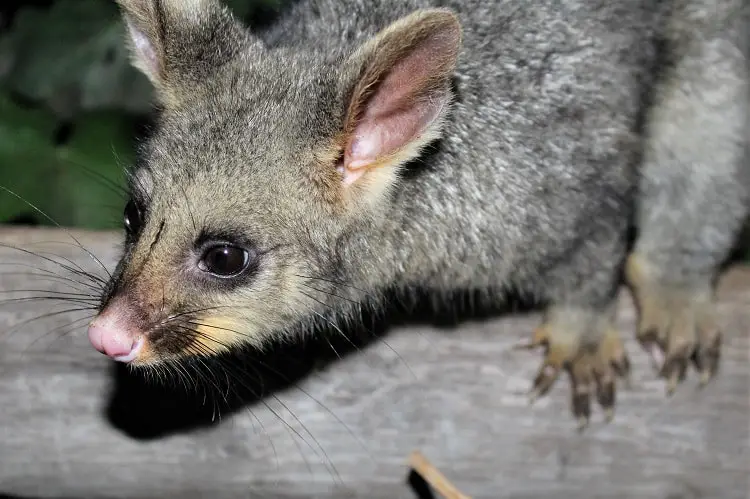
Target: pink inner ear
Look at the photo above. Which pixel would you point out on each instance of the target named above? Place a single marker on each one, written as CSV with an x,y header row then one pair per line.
x,y
378,137
399,111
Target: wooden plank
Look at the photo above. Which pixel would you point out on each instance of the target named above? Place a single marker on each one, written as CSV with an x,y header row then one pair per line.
x,y
456,395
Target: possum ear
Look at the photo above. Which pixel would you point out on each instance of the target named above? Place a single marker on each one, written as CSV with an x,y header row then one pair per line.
x,y
400,93
177,43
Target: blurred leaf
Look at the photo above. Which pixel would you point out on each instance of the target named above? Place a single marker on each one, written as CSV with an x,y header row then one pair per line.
x,y
68,57
72,56
73,182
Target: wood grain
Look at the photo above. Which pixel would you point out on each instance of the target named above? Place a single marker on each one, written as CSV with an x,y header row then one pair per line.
x,y
457,395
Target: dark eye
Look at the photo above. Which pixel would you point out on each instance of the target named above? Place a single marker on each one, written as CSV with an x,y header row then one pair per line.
x,y
132,218
224,260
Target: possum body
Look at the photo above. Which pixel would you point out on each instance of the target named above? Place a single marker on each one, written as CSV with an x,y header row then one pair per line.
x,y
297,173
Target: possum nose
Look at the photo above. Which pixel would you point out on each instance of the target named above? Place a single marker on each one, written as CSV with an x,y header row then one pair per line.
x,y
114,342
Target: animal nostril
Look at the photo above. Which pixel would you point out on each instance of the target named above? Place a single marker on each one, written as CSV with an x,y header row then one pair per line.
x,y
120,345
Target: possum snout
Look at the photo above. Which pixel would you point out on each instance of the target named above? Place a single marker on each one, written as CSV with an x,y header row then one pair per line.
x,y
117,343
114,334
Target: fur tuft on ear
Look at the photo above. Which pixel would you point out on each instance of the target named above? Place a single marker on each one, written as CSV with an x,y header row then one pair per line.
x,y
179,42
399,98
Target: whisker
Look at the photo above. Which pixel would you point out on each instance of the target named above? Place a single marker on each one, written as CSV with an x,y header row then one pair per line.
x,y
331,323
229,370
330,294
190,210
24,299
202,349
92,277
115,187
296,386
58,226
283,405
67,329
333,281
220,329
195,311
48,277
50,291
71,262
47,316
346,337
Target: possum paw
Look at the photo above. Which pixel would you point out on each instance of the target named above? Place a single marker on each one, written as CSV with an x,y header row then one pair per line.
x,y
592,359
677,324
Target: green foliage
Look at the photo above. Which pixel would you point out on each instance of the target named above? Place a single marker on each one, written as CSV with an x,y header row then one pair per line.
x,y
74,181
64,148
71,57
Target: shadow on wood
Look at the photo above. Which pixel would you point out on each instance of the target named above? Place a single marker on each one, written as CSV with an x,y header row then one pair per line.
x,y
206,391
147,409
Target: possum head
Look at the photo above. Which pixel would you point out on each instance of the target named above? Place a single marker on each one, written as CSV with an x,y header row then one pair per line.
x,y
261,162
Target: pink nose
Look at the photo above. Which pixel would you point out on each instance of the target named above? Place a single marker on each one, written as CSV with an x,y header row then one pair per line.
x,y
114,342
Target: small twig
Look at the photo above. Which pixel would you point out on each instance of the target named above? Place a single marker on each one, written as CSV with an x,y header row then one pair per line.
x,y
433,477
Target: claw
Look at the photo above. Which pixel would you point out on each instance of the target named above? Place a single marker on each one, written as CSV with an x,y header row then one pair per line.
x,y
622,368
677,324
592,368
545,379
672,382
606,395
708,354
582,406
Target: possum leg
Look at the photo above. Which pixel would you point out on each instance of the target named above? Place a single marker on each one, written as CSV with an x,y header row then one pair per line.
x,y
694,191
578,332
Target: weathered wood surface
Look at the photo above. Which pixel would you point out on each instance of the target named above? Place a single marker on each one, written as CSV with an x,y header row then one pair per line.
x,y
458,396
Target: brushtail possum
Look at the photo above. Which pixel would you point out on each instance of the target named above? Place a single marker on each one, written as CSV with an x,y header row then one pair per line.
x,y
357,147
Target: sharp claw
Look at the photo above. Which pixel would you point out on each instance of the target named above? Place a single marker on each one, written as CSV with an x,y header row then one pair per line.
x,y
675,368
582,405
677,327
674,379
609,414
710,364
707,362
544,380
541,388
593,373
607,395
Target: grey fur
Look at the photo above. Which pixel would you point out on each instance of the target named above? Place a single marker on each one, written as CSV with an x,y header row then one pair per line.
x,y
532,187
696,177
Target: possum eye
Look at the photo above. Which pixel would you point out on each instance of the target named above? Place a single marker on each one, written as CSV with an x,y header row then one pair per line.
x,y
132,218
224,260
